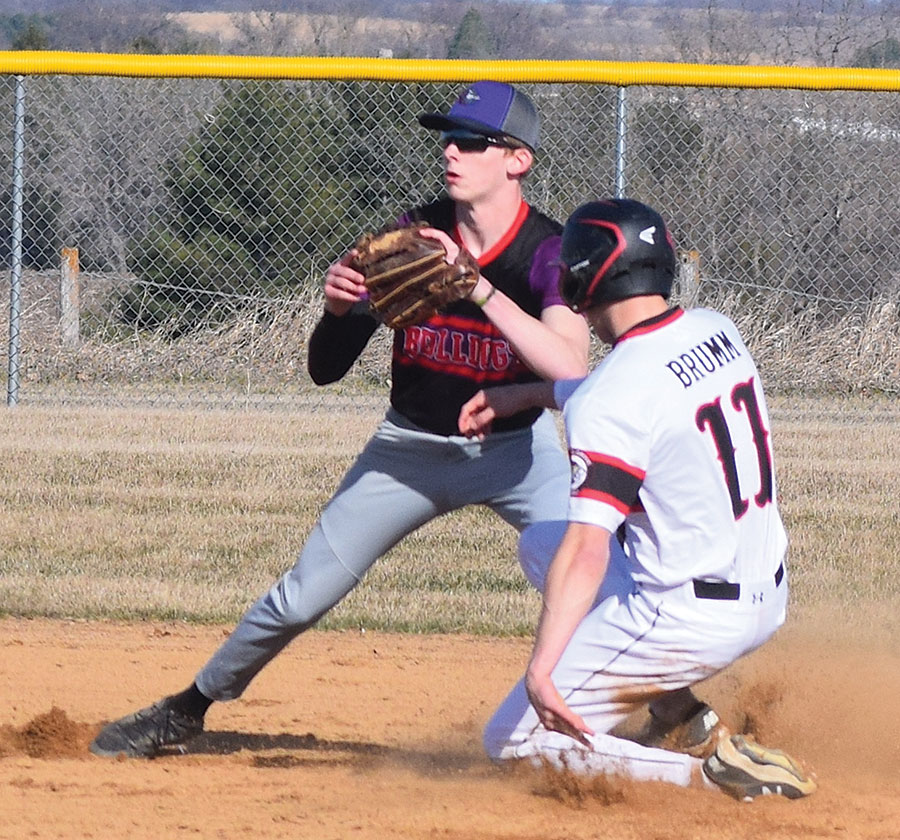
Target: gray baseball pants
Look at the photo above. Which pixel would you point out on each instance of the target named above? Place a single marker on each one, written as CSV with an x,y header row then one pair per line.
x,y
403,478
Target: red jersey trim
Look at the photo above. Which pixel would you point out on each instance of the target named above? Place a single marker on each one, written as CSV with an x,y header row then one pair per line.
x,y
652,324
504,240
502,376
599,458
461,322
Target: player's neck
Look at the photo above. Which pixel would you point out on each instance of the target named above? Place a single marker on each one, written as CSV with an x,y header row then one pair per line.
x,y
483,224
612,320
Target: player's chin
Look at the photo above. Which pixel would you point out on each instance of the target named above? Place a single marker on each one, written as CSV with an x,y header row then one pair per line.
x,y
455,188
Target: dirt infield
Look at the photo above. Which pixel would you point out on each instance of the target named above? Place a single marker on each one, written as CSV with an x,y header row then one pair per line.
x,y
375,736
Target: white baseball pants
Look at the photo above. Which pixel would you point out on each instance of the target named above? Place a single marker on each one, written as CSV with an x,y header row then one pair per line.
x,y
635,644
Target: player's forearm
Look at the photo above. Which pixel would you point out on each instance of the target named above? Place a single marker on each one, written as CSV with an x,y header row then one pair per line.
x,y
554,348
511,399
573,580
478,413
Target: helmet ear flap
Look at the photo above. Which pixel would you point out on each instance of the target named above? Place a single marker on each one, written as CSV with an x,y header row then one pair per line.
x,y
574,284
612,250
568,288
590,245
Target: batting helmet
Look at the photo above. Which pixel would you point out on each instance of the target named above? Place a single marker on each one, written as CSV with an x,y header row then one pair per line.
x,y
612,250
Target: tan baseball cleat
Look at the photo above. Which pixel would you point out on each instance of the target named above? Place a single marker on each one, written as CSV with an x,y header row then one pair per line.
x,y
746,770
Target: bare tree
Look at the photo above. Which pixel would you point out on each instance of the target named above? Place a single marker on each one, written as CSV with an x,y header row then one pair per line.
x,y
267,32
118,26
714,33
108,171
521,28
822,32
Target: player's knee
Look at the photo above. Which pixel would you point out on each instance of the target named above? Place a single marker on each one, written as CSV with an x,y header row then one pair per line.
x,y
537,545
316,583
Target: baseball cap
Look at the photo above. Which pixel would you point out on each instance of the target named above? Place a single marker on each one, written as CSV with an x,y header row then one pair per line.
x,y
491,108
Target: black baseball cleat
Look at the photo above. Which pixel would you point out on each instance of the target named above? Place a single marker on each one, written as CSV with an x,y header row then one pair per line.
x,y
746,770
698,735
148,732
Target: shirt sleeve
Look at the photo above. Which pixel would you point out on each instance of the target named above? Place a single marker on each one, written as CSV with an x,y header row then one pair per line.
x,y
609,446
563,389
544,276
336,343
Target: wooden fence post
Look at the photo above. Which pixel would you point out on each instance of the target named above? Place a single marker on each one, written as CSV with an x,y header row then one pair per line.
x,y
689,278
69,297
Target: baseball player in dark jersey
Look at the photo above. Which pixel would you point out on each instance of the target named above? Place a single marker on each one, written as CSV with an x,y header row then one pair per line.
x,y
514,328
669,447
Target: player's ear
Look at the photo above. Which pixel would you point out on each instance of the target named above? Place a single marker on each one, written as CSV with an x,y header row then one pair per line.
x,y
518,161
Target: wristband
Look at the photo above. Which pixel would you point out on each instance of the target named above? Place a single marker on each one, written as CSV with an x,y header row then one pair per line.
x,y
481,303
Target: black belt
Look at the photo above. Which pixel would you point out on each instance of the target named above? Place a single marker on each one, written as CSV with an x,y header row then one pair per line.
x,y
715,590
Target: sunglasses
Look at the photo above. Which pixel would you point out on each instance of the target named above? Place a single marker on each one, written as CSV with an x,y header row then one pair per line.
x,y
467,141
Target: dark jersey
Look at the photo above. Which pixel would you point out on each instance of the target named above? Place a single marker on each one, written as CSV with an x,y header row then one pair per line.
x,y
440,364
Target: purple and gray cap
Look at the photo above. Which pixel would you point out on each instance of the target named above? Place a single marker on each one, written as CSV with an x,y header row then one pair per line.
x,y
494,109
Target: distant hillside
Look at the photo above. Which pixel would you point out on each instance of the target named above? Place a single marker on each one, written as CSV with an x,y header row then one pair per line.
x,y
618,32
716,31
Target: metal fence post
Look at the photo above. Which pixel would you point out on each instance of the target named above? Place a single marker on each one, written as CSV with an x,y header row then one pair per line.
x,y
15,280
620,142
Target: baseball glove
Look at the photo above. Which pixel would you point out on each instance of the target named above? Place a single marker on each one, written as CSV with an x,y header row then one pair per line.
x,y
408,277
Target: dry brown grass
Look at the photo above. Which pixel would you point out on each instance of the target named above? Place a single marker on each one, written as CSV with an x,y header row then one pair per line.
x,y
260,356
191,515
803,351
838,475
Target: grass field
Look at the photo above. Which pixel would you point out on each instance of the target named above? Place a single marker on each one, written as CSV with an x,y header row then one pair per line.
x,y
136,514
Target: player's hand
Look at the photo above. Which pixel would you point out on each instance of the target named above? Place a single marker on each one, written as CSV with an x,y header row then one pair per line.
x,y
552,710
344,286
478,414
450,246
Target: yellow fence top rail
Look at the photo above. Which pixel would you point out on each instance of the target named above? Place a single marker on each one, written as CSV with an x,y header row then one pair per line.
x,y
619,73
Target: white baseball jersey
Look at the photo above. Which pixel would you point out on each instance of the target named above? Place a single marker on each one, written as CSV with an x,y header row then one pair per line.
x,y
670,435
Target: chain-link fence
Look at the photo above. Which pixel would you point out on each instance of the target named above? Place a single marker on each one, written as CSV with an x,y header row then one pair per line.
x,y
175,232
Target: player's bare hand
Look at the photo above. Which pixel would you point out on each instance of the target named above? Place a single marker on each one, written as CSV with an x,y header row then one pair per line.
x,y
450,246
552,710
344,286
478,414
